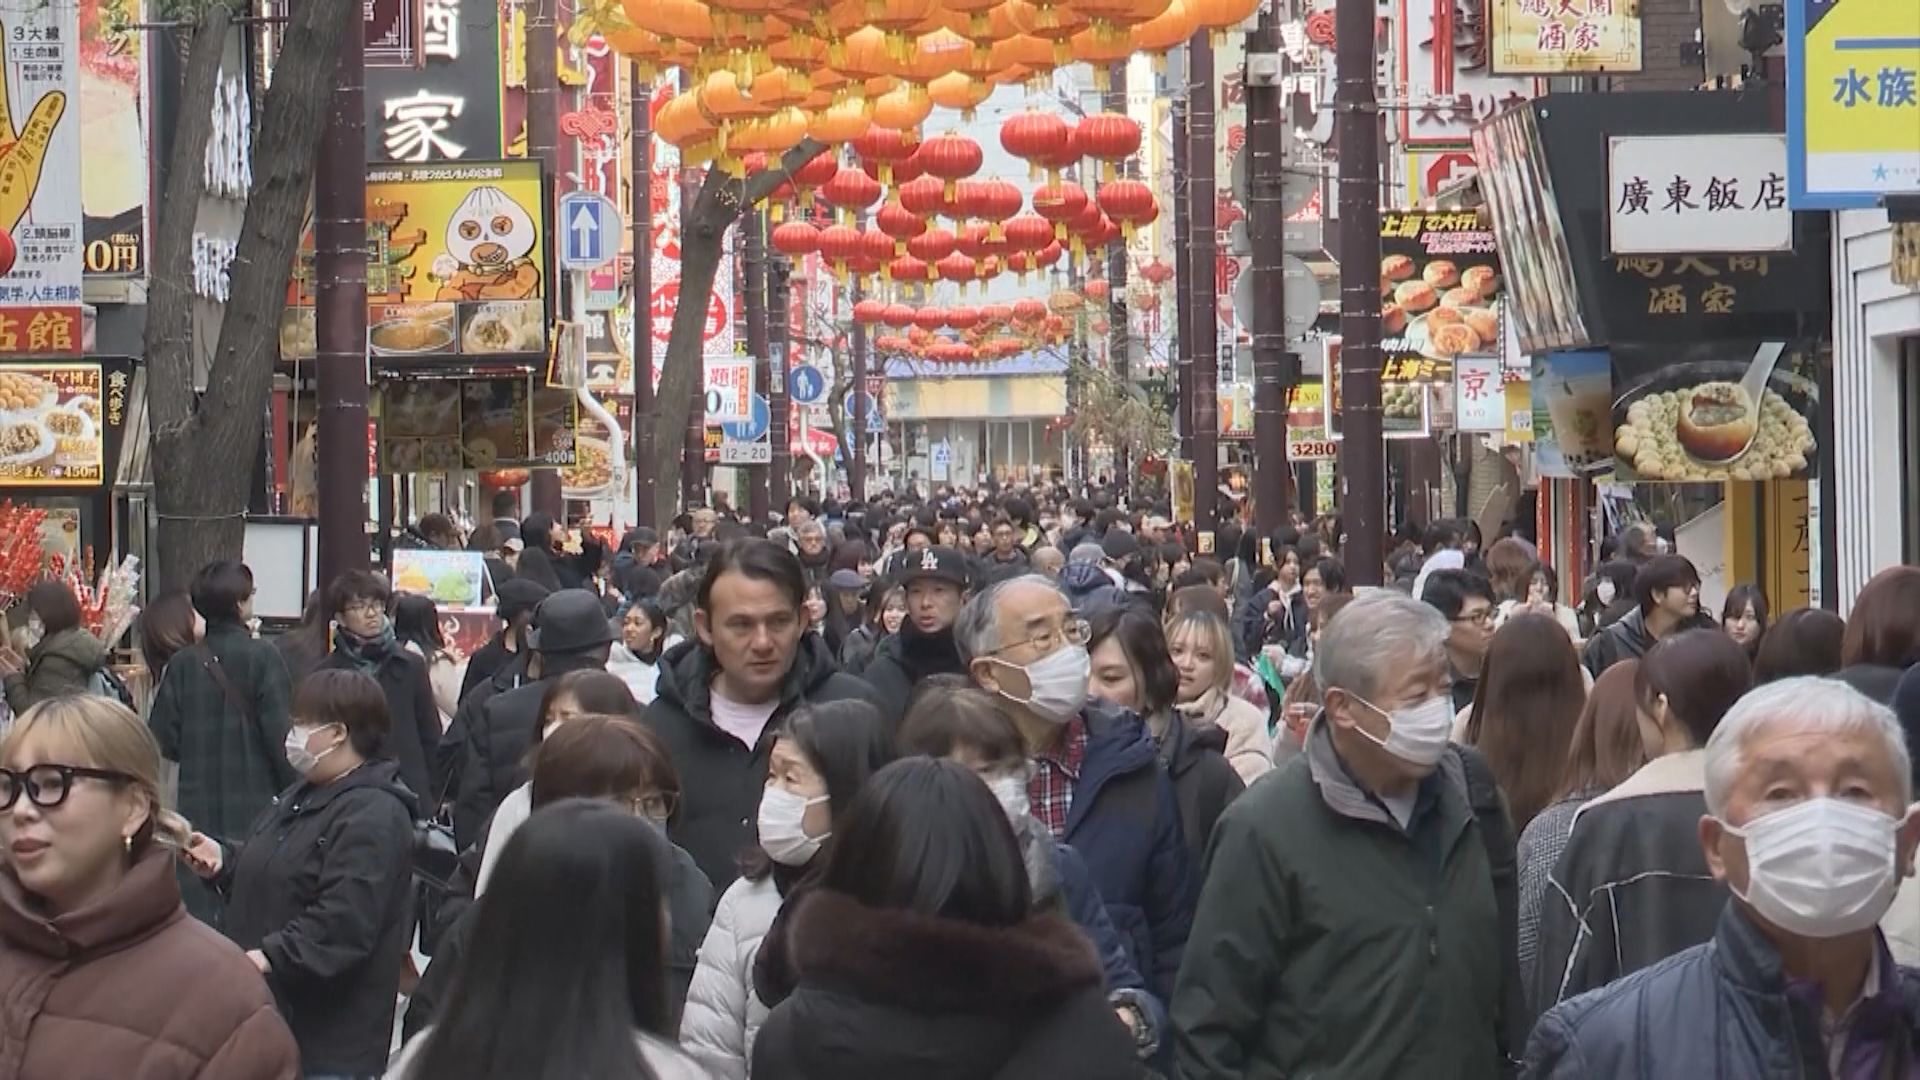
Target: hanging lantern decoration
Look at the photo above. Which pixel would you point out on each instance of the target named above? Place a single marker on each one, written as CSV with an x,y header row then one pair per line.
x,y
1218,16
957,268
996,314
1130,203
976,241
961,92
1059,203
884,147
899,223
908,268
1096,289
838,245
1155,272
1028,311
851,190
1035,137
898,316
1049,255
996,201
932,245
794,239
930,318
1022,263
925,195
1166,31
1064,302
1027,232
903,108
815,173
840,122
869,312
877,248
1108,137
963,318
951,158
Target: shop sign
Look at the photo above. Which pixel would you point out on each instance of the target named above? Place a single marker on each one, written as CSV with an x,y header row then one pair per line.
x,y
447,108
1697,193
458,265
1236,411
729,390
1307,437
1681,296
1526,219
57,421
1519,402
41,207
1679,414
1444,75
1479,399
392,31
1853,102
445,425
592,473
446,577
1441,290
1565,37
113,195
746,452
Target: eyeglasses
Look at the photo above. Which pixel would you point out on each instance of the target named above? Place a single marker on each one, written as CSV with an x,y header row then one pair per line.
x,y
655,806
363,607
1071,632
47,786
1483,617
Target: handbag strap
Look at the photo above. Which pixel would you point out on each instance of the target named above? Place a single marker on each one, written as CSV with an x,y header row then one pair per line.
x,y
210,662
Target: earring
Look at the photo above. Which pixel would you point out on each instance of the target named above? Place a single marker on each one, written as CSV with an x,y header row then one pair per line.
x,y
128,841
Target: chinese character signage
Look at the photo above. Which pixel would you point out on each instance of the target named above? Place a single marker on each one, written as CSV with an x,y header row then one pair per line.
x,y
1444,73
392,32
54,422
458,264
40,189
1853,102
1533,243
1565,37
1697,193
1307,435
1441,291
431,426
1680,414
1479,399
1677,297
449,107
113,188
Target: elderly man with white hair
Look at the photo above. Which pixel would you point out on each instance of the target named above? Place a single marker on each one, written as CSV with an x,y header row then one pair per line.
x,y
1358,914
1809,824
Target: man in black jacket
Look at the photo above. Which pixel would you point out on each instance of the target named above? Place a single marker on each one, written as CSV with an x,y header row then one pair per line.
x,y
723,695
1668,590
571,633
1466,598
515,604
363,641
936,584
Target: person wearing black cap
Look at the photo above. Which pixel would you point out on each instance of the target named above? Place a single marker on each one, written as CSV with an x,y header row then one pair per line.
x,y
515,604
571,633
723,696
937,586
1126,564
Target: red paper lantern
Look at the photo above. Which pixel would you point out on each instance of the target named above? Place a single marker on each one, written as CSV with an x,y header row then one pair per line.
x,y
816,171
963,318
1130,203
957,268
795,239
1096,289
1108,137
977,240
851,189
1156,273
869,312
908,268
885,148
839,243
996,201
1048,255
1022,263
898,316
875,246
932,245
949,157
899,222
1029,310
996,314
1059,203
1028,232
930,318
1035,137
925,196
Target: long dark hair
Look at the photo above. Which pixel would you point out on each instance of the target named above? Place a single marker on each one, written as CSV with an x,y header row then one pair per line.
x,y
166,627
846,743
1531,695
568,956
416,621
1737,600
926,835
1805,641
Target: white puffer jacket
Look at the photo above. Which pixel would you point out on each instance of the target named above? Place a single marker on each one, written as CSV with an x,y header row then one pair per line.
x,y
723,1014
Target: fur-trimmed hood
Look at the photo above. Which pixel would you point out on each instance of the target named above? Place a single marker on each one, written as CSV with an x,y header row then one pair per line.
x,y
895,994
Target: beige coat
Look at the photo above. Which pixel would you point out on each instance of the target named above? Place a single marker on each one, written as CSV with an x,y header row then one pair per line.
x,y
1249,747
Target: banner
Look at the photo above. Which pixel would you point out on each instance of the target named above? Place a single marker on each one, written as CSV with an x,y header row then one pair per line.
x,y
1565,37
1444,76
447,106
1694,194
448,577
56,420
1441,290
458,268
113,121
1479,400
1572,394
1853,102
1307,438
40,195
1680,414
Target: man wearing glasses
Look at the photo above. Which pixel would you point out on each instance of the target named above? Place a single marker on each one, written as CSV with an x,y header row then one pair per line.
x,y
1465,597
1094,778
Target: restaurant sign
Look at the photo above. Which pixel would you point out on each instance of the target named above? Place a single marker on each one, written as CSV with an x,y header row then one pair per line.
x,y
1565,37
40,186
1697,194
61,423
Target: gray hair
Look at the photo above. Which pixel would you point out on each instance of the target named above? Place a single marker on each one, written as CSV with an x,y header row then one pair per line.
x,y
1805,704
1087,553
810,527
977,631
1380,632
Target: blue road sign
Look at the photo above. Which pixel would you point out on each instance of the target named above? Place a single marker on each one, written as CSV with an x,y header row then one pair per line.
x,y
759,421
876,420
589,230
807,385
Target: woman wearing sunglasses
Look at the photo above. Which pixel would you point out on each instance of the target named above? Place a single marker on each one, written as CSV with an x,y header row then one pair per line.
x,y
103,972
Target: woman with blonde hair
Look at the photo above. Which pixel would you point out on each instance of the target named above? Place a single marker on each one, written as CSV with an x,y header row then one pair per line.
x,y
1202,649
101,967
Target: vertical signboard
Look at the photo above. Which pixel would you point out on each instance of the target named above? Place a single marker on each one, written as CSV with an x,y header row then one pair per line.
x,y
392,32
113,118
448,107
1445,75
1853,102
40,180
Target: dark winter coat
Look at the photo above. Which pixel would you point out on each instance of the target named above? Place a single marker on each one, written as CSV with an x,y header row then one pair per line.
x,y
1203,779
323,885
1877,681
1254,629
720,780
1125,822
902,661
991,569
889,994
1626,639
486,662
858,650
494,752
61,664
130,986
451,771
413,720
1723,1009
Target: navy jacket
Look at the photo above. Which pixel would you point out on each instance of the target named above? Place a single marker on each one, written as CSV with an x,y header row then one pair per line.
x,y
1125,822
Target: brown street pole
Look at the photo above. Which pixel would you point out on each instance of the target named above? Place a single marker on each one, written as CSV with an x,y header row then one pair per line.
x,y
1119,333
543,145
753,307
1202,196
340,272
857,474
1182,359
1362,454
641,214
779,337
1266,232
693,464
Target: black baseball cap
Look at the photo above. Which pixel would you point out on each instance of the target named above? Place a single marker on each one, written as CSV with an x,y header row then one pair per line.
x,y
1120,544
518,595
936,564
569,621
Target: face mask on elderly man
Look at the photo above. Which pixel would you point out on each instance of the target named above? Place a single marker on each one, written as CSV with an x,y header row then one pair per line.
x,y
1821,868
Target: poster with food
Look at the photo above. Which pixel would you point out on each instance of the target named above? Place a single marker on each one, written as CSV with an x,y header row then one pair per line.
x,y
448,577
51,430
1714,410
420,428
457,264
493,423
591,474
1440,289
556,426
1572,393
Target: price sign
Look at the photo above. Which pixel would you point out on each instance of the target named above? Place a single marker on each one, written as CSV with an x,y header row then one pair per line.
x,y
729,390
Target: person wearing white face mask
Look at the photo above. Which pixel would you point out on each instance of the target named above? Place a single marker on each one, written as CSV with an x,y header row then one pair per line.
x,y
1810,825
1097,783
821,757
1355,916
319,892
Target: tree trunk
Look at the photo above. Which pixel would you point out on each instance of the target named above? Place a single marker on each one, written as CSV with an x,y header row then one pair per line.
x,y
704,221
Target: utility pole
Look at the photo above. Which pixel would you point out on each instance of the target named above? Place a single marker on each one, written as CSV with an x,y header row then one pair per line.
x,y
340,272
754,307
693,464
1119,337
1182,359
543,145
1362,454
1266,231
1202,196
857,475
641,214
779,338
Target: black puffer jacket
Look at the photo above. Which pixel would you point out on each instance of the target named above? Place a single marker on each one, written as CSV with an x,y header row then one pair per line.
x,y
413,720
1018,1003
1204,781
902,661
720,780
323,885
494,751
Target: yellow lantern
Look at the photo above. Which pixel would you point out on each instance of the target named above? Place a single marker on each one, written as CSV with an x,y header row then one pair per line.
x,y
840,123
902,108
1171,28
959,91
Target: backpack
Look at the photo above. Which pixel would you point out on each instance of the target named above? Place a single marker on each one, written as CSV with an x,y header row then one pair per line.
x,y
104,683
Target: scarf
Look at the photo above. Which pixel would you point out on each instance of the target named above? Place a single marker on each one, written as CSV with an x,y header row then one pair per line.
x,y
1204,709
367,653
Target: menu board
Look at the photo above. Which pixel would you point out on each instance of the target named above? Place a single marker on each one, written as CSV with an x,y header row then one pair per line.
x,y
444,425
52,425
1440,290
1681,414
448,577
1307,437
591,474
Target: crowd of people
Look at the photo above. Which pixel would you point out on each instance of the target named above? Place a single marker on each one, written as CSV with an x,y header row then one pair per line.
x,y
978,785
